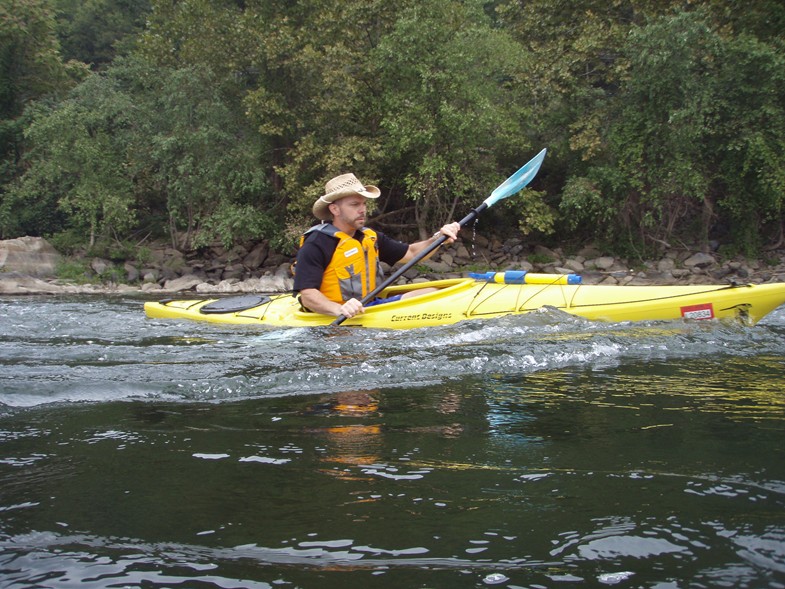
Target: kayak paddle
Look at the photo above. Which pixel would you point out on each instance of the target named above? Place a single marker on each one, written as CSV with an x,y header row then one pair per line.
x,y
510,186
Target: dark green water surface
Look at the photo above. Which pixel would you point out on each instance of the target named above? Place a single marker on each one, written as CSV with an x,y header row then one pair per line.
x,y
530,452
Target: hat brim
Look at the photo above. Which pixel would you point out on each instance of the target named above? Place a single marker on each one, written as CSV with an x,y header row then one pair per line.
x,y
321,206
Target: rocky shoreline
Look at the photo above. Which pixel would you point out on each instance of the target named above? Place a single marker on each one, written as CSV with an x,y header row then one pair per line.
x,y
29,265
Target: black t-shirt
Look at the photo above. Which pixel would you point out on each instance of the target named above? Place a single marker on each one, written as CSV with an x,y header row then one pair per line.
x,y
317,251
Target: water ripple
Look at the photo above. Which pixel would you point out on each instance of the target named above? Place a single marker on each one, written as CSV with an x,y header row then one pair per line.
x,y
83,349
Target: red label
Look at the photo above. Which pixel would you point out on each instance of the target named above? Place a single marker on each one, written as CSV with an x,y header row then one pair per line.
x,y
705,311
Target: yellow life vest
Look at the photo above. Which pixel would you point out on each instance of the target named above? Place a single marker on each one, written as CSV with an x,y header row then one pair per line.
x,y
354,267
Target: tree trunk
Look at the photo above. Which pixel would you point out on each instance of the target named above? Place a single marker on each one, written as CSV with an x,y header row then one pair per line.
x,y
707,218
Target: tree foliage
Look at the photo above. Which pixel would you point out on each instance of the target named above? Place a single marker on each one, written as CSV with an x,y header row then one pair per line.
x,y
693,138
222,119
78,145
93,31
30,69
160,142
455,104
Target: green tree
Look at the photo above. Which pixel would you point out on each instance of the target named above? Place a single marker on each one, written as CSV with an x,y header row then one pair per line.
x,y
426,98
315,98
454,104
762,19
203,162
77,157
662,119
151,140
695,135
30,63
575,66
93,31
208,163
653,140
748,156
30,69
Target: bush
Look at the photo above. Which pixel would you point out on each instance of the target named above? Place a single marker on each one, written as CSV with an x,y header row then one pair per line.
x,y
74,270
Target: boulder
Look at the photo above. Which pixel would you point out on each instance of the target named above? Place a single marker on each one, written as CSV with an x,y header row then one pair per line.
x,y
590,251
602,263
256,256
166,253
100,266
541,250
666,265
699,260
233,272
150,275
131,272
15,283
436,266
186,282
33,256
283,270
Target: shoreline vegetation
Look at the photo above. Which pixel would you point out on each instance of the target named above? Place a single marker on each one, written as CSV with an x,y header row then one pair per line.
x,y
124,121
32,266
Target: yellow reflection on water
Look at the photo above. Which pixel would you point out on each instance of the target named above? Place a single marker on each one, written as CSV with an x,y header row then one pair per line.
x,y
740,388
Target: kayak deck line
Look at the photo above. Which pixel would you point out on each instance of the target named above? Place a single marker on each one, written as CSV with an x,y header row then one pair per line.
x,y
569,302
460,299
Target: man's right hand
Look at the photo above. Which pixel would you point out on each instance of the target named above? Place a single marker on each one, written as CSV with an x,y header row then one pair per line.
x,y
351,308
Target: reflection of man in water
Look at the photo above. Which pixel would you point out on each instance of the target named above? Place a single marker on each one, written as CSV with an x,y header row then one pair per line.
x,y
352,443
356,440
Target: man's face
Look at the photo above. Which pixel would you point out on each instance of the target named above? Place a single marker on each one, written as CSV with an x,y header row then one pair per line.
x,y
349,212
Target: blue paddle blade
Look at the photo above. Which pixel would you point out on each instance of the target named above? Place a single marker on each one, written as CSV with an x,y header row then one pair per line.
x,y
517,181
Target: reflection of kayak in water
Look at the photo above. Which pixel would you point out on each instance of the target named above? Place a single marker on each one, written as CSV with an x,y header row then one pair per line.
x,y
462,299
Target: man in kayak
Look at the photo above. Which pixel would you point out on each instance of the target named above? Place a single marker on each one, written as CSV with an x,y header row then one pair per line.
x,y
339,260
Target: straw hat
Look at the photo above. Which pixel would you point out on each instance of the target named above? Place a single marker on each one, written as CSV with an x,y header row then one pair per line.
x,y
338,188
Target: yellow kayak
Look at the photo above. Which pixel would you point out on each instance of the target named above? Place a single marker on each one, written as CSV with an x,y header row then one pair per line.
x,y
462,299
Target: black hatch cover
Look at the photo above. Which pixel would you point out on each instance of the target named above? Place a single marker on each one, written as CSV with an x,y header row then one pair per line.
x,y
234,304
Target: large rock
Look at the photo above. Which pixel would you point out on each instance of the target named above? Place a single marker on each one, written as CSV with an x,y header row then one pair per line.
x,y
666,265
257,256
33,256
699,260
186,282
15,283
436,266
541,250
602,263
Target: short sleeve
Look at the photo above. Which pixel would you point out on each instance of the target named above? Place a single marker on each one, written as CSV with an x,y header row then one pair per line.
x,y
391,251
312,260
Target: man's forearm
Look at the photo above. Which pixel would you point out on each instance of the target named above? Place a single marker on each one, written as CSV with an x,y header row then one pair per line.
x,y
314,300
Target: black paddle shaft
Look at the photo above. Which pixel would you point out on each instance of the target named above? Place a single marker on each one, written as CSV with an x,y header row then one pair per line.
x,y
473,214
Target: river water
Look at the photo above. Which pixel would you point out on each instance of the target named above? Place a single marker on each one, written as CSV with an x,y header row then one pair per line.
x,y
526,452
